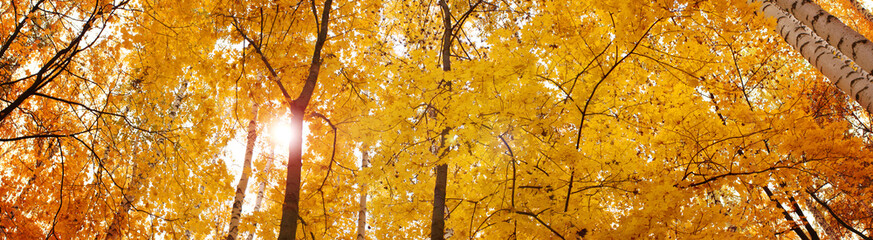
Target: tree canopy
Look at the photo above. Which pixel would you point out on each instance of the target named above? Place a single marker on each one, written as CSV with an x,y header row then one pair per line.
x,y
413,119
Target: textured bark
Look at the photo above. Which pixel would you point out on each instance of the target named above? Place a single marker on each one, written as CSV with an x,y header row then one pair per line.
x,y
243,184
362,213
290,206
261,186
834,31
438,220
862,11
830,231
856,83
438,225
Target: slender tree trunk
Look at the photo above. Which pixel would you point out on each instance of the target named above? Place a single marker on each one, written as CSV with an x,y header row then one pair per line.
x,y
794,226
803,219
261,186
830,231
120,219
438,220
243,184
290,206
856,83
834,31
362,213
131,193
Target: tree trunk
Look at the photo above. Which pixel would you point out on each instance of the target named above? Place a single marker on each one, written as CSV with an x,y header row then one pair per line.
x,y
438,220
794,226
119,220
834,31
244,177
830,231
803,218
438,225
261,187
856,83
290,206
362,213
862,11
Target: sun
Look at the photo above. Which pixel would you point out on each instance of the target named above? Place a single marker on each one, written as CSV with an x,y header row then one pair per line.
x,y
281,133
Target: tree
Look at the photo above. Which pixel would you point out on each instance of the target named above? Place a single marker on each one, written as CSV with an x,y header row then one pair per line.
x,y
837,34
297,107
239,198
362,201
480,119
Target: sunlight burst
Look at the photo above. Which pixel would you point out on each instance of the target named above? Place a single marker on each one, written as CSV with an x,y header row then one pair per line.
x,y
281,131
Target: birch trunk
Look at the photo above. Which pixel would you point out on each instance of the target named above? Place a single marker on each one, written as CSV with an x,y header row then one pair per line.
x,y
119,220
131,193
241,187
261,187
834,31
862,11
830,231
856,83
362,213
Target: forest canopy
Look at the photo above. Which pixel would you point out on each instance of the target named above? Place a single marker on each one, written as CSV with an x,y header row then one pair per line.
x,y
439,119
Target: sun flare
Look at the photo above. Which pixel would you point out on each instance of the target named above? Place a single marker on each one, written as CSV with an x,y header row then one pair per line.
x,y
281,132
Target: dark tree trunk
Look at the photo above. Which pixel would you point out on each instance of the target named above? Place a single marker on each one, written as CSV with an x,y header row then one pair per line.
x,y
290,208
438,220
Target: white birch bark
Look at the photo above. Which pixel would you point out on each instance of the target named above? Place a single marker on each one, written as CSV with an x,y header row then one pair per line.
x,y
362,213
848,41
131,193
261,187
830,231
243,184
847,76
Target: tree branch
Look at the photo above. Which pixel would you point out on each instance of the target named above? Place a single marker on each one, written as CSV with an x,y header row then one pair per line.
x,y
536,216
833,214
514,174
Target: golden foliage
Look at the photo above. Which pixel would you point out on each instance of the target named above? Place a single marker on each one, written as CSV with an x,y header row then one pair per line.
x,y
562,119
